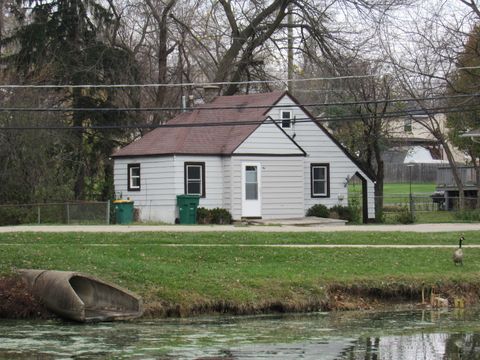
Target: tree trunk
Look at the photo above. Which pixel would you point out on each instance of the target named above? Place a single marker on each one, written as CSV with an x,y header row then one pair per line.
x,y
2,3
78,148
380,174
108,190
379,182
162,52
456,176
227,64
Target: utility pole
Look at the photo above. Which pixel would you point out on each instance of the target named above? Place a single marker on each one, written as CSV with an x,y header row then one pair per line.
x,y
290,49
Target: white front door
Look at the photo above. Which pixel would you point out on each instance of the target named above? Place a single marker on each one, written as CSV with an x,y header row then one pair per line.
x,y
251,190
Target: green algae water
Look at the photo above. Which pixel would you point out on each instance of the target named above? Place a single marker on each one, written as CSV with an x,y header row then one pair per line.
x,y
405,335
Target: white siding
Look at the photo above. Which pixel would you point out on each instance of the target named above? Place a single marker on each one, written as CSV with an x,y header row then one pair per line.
x,y
213,178
227,183
281,186
321,149
156,198
268,139
162,179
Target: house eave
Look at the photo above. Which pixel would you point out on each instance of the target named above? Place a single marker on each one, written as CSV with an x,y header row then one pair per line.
x,y
206,154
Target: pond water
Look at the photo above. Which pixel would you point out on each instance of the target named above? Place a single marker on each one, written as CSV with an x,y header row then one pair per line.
x,y
347,335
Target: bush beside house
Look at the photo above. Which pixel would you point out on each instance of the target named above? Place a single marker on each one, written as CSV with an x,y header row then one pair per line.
x,y
213,216
349,213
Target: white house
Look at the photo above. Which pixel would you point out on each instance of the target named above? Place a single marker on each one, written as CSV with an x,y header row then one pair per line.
x,y
257,155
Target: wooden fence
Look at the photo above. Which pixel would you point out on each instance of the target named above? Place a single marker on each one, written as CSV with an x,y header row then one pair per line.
x,y
419,173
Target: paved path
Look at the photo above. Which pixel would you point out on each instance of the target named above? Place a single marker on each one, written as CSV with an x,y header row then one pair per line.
x,y
420,228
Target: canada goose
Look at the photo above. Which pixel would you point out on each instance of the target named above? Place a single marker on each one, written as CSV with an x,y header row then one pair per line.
x,y
458,254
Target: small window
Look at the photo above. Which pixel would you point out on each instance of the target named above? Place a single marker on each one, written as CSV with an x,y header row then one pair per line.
x,y
195,179
407,125
320,180
286,116
133,177
251,183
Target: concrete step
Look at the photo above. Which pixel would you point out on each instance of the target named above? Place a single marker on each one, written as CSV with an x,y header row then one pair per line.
x,y
305,221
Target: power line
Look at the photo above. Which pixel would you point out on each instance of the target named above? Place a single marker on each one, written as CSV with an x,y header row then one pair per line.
x,y
192,84
353,117
239,107
199,84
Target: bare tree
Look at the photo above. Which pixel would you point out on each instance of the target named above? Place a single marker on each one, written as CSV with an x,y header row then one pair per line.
x,y
362,124
423,65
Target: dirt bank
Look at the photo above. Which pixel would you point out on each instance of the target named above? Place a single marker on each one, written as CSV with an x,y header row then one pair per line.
x,y
337,297
16,302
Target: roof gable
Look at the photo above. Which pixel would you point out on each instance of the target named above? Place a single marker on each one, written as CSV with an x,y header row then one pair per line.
x,y
357,163
269,139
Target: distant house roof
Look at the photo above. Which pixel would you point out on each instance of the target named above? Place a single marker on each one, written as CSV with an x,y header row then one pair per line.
x,y
208,140
406,141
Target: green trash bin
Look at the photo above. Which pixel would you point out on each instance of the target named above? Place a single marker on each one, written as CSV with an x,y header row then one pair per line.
x,y
123,211
187,208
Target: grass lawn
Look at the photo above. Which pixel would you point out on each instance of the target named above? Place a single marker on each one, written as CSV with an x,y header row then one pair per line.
x,y
101,240
399,188
402,188
189,275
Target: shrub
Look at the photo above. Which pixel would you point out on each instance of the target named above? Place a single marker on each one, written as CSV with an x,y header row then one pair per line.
x,y
350,213
405,216
203,216
341,212
15,215
318,210
213,216
355,210
221,216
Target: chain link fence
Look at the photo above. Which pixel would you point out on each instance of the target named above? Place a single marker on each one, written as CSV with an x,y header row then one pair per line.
x,y
429,208
84,213
396,209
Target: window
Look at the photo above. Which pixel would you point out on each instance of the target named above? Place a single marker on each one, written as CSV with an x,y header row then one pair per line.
x,y
320,180
133,177
286,116
251,183
407,125
195,179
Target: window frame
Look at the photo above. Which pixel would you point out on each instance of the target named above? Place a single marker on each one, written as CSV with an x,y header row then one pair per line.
x,y
289,120
257,185
130,186
326,166
202,177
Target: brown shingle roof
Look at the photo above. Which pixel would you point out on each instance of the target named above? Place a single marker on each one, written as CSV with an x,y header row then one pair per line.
x,y
214,140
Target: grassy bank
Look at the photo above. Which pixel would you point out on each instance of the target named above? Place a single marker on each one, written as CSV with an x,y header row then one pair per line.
x,y
186,279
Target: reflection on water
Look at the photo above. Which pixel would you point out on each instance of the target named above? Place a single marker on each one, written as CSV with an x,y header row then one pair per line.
x,y
342,336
